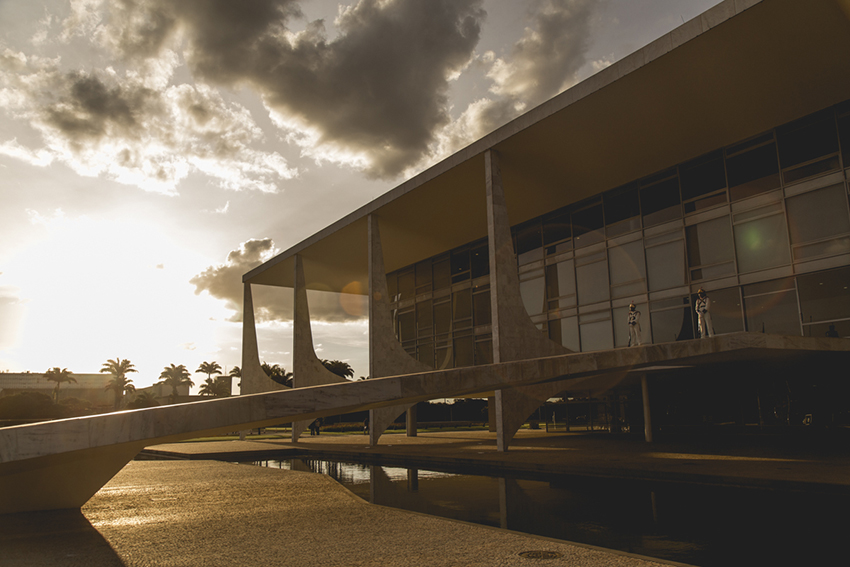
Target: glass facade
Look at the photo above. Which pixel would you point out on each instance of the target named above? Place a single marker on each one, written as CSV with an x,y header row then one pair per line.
x,y
763,225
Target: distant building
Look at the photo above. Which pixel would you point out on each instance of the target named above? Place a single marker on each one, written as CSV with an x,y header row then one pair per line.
x,y
88,387
715,158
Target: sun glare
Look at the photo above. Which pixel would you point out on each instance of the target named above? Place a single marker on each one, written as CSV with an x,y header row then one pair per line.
x,y
95,289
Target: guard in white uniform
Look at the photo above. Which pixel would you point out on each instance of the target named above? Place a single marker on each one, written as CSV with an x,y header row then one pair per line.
x,y
703,309
634,325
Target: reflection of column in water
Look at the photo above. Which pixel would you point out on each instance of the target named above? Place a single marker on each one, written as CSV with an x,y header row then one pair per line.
x,y
654,507
374,470
413,480
503,504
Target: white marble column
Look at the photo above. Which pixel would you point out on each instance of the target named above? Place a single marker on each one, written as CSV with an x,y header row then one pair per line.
x,y
515,337
254,380
386,355
307,369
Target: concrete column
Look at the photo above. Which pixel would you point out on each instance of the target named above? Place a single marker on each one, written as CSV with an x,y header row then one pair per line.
x,y
647,417
411,423
254,380
307,369
515,337
386,355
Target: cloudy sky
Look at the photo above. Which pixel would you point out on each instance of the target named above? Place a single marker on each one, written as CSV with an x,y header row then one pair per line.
x,y
153,151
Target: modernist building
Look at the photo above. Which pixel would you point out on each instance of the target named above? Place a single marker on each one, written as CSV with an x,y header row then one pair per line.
x,y
716,157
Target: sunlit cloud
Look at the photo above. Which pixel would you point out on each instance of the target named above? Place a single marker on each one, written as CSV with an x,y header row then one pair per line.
x,y
272,304
123,127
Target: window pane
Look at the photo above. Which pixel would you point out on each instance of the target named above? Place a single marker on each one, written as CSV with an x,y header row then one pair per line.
x,y
621,204
425,354
660,201
460,266
529,243
443,357
726,312
702,176
424,319
481,306
406,284
442,273
774,313
406,326
483,352
480,259
825,296
592,283
626,263
442,318
423,275
588,225
464,349
753,170
565,332
807,139
560,279
844,135
840,328
596,336
666,265
709,242
532,290
462,305
556,228
818,215
762,243
672,325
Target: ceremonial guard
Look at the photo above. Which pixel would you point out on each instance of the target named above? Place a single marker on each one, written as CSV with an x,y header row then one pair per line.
x,y
634,325
703,309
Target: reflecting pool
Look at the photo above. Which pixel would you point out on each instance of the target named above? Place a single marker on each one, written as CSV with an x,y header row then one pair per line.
x,y
700,525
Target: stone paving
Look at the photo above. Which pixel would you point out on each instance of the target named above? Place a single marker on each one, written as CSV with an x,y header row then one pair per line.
x,y
206,513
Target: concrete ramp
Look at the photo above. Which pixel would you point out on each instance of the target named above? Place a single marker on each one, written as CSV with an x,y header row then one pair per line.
x,y
61,464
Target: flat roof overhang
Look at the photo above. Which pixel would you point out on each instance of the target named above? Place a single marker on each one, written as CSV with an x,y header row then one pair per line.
x,y
739,69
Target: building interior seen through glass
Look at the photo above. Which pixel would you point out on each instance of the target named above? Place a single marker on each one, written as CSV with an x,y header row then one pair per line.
x,y
763,226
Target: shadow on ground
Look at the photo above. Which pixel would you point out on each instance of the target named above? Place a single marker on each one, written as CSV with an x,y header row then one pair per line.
x,y
60,537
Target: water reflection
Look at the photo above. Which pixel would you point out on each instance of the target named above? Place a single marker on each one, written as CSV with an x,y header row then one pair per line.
x,y
699,525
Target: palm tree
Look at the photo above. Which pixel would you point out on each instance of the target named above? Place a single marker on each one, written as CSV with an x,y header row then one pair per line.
x,y
216,388
175,376
277,373
58,375
143,400
209,368
236,372
119,384
339,368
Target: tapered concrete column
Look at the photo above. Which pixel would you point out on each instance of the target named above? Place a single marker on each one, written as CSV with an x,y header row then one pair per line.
x,y
515,337
307,369
254,380
386,355
647,416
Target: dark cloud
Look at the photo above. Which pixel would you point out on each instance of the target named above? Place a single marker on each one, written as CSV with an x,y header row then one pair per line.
x,y
378,90
89,109
135,129
544,62
224,282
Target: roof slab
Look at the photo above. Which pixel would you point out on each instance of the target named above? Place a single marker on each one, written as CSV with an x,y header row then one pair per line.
x,y
739,69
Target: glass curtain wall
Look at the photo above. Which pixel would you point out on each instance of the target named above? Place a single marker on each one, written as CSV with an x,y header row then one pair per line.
x,y
740,222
